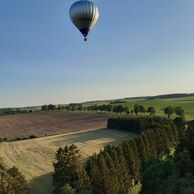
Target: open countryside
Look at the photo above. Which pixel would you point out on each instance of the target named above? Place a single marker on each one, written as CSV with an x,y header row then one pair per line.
x,y
185,102
35,157
48,123
58,128
96,97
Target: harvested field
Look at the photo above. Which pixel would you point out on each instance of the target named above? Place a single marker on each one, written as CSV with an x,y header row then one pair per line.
x,y
48,123
34,157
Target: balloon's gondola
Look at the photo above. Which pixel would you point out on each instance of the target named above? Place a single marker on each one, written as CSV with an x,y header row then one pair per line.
x,y
84,15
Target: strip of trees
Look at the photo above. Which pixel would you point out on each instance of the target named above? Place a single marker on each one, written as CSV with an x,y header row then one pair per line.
x,y
173,175
117,108
116,169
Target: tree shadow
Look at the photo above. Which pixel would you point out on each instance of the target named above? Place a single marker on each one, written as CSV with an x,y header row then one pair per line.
x,y
42,184
80,137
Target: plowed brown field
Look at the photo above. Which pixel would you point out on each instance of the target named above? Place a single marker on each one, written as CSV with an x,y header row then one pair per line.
x,y
49,123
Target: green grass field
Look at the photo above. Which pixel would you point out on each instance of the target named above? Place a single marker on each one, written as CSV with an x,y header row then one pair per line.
x,y
186,102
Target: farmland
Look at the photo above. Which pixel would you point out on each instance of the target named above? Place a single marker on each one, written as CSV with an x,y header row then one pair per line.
x,y
34,157
48,123
186,102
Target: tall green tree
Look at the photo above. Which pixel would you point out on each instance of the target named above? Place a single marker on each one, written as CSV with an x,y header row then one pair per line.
x,y
139,109
179,111
51,107
151,110
12,181
169,111
136,109
44,107
68,169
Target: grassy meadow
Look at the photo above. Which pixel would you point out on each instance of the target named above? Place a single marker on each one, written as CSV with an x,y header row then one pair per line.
x,y
186,102
34,157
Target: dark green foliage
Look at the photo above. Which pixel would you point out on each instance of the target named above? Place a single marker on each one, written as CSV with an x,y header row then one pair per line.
x,y
51,107
48,107
85,192
101,108
179,111
109,171
69,170
169,111
139,109
32,136
12,181
117,101
180,123
66,189
44,107
138,124
174,175
116,168
187,141
151,110
118,109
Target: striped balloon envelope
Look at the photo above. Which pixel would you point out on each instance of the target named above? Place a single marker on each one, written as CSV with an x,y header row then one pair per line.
x,y
84,15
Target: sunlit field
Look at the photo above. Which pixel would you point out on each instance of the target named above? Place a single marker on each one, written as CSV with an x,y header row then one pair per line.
x,y
186,102
35,157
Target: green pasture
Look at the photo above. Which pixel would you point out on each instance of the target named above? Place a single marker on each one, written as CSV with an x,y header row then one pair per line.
x,y
186,102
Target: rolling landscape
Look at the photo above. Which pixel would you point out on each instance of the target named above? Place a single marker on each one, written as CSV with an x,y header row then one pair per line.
x,y
53,129
48,123
159,102
35,157
96,97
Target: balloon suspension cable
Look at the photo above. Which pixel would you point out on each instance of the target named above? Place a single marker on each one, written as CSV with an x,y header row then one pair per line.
x,y
85,39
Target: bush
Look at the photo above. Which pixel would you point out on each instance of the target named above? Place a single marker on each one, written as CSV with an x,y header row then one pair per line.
x,y
32,136
13,181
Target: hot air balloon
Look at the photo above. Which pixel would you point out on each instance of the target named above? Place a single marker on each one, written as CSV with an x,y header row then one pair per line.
x,y
84,15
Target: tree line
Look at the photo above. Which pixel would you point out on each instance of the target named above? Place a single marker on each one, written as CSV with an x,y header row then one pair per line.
x,y
175,174
119,109
139,124
116,169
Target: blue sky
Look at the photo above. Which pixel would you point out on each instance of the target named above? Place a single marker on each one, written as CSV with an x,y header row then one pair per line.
x,y
138,47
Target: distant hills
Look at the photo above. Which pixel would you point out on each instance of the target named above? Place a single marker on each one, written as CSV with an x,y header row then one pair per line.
x,y
113,101
181,95
163,96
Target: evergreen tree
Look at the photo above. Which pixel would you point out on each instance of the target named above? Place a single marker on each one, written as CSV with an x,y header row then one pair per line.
x,y
12,181
68,169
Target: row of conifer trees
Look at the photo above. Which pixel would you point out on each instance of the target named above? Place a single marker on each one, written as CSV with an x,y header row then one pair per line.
x,y
116,169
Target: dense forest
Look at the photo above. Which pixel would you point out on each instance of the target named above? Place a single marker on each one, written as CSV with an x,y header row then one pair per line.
x,y
116,169
173,175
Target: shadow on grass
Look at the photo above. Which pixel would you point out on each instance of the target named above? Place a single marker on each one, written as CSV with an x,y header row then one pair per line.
x,y
80,137
42,184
